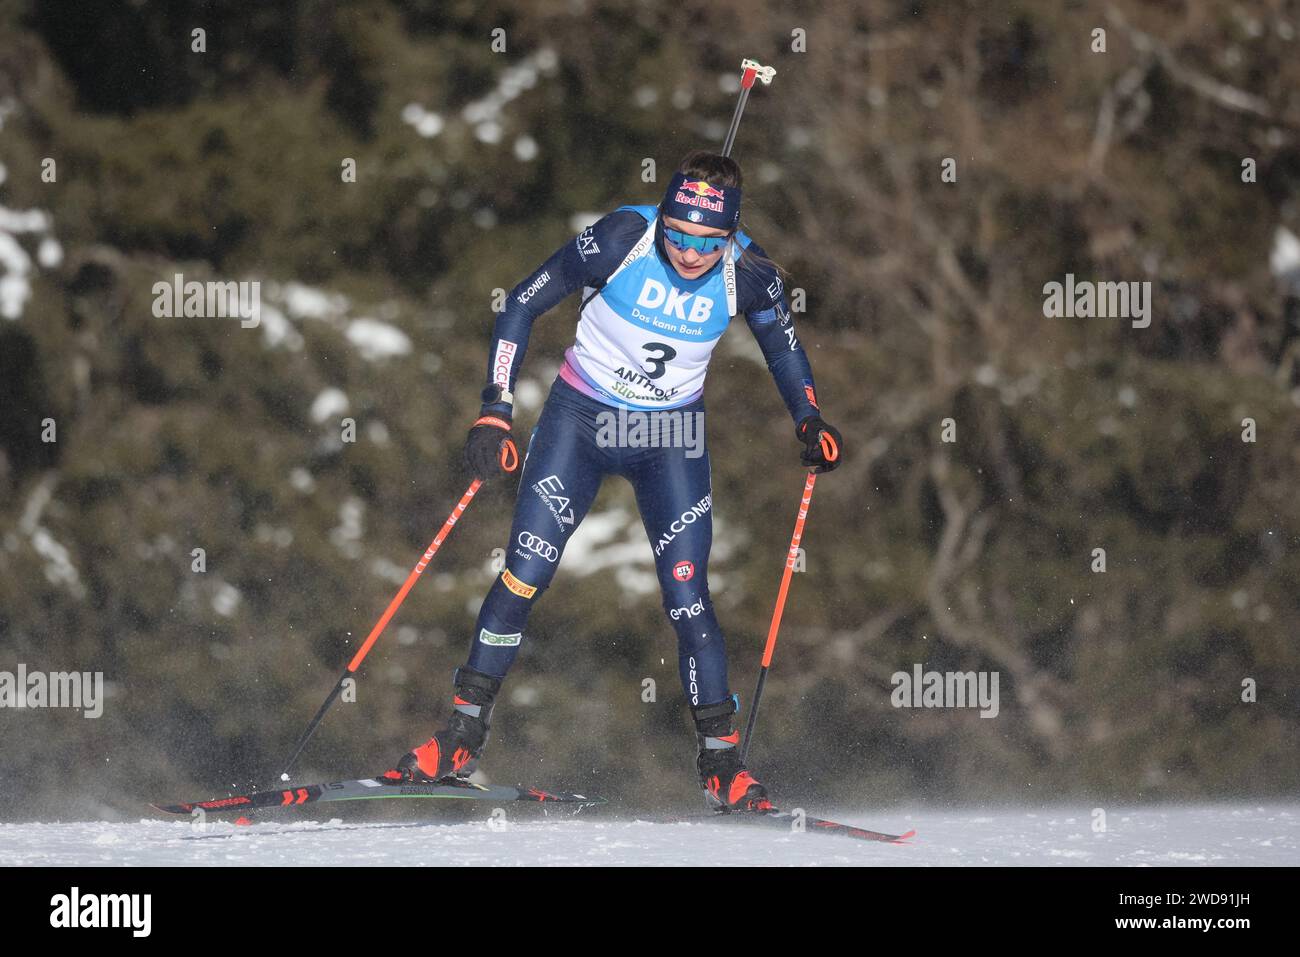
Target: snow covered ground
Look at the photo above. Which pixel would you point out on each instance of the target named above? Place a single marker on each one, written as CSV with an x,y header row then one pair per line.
x,y
1241,834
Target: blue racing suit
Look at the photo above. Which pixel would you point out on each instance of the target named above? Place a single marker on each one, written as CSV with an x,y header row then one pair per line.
x,y
642,349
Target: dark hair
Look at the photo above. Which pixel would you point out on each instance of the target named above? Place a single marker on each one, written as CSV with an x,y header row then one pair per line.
x,y
718,170
714,168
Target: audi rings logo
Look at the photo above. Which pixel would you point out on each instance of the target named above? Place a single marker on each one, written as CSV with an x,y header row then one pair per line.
x,y
538,546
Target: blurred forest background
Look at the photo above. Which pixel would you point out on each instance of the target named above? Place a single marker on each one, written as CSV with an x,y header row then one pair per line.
x,y
924,302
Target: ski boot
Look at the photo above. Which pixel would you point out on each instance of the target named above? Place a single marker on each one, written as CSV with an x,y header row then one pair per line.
x,y
727,784
451,755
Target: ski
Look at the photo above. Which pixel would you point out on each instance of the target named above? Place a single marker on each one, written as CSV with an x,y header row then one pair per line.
x,y
256,831
369,789
815,825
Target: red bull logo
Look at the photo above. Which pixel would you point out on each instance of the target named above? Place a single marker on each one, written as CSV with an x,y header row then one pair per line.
x,y
701,194
701,188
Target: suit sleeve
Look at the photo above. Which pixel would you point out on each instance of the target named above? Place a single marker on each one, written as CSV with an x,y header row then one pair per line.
x,y
772,324
583,261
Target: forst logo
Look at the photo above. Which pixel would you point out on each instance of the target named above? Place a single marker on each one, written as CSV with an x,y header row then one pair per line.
x,y
701,194
506,641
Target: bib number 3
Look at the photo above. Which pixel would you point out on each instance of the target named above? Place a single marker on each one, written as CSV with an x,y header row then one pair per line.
x,y
657,364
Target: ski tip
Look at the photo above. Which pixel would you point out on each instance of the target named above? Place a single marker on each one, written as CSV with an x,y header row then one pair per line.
x,y
170,808
903,837
185,809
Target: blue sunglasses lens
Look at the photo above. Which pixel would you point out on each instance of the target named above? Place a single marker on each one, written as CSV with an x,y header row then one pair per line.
x,y
702,244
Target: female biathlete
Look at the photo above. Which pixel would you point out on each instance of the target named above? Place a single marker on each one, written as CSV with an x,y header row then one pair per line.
x,y
659,286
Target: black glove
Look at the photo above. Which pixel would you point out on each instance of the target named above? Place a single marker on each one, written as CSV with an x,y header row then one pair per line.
x,y
822,447
490,452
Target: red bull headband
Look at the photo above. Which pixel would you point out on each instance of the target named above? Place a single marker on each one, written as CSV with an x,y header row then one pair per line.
x,y
695,201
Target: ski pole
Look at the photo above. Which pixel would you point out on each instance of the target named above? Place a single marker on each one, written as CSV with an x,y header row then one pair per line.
x,y
752,71
375,632
831,451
